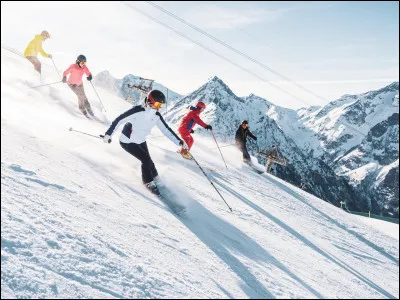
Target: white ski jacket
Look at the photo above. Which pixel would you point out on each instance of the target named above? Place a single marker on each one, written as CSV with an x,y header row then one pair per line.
x,y
138,122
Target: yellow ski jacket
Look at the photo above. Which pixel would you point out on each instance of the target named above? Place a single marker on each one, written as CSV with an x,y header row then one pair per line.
x,y
35,46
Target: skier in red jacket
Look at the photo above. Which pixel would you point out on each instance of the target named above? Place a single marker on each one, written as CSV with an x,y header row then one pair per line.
x,y
186,125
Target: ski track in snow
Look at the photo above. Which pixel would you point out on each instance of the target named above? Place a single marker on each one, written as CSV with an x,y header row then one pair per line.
x,y
76,221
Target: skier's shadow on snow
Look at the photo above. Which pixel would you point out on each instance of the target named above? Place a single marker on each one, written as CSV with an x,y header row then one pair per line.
x,y
260,253
341,226
299,236
224,239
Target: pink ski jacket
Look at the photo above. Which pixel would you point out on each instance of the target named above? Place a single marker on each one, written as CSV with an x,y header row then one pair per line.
x,y
76,74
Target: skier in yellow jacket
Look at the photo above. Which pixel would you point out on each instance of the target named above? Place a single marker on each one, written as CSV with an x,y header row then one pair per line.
x,y
34,47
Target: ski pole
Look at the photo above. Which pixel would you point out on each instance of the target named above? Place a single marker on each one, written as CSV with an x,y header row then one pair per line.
x,y
219,149
210,181
166,104
45,84
224,146
98,96
99,136
56,68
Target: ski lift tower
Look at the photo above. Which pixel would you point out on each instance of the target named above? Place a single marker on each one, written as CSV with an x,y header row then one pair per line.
x,y
143,86
273,156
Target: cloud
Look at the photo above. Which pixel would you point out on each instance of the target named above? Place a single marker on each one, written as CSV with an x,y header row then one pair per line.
x,y
216,17
373,80
236,16
117,38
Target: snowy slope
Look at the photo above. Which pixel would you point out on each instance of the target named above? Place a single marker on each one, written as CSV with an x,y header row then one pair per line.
x,y
77,223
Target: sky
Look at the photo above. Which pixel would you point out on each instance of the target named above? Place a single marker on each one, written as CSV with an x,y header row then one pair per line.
x,y
328,48
76,221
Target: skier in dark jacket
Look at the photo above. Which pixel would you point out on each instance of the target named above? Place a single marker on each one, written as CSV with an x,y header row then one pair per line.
x,y
240,140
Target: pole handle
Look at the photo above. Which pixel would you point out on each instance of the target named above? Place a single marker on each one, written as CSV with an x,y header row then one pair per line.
x,y
102,136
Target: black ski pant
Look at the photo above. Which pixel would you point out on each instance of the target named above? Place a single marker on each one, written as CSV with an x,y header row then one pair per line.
x,y
242,147
141,152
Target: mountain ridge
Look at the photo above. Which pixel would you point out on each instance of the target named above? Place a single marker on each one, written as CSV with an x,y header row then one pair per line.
x,y
315,139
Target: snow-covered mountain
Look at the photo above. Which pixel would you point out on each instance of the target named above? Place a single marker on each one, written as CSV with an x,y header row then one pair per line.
x,y
372,167
322,143
225,111
76,221
118,86
358,136
344,123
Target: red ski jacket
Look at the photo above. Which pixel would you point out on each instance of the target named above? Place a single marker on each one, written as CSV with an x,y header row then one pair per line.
x,y
191,118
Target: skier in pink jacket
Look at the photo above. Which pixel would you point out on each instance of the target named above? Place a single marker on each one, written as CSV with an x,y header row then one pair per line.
x,y
74,81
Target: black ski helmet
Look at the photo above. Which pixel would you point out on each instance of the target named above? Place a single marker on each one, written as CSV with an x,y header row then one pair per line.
x,y
81,58
245,122
155,96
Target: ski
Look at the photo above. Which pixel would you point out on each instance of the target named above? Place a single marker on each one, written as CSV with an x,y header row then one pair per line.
x,y
154,191
253,168
94,118
185,155
176,208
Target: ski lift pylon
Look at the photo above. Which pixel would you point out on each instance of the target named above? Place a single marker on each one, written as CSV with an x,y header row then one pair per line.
x,y
272,156
141,86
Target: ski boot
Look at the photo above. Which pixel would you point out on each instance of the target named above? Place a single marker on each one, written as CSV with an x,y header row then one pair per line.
x,y
152,187
90,111
184,153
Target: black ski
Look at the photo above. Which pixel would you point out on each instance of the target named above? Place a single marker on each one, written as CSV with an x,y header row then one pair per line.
x,y
176,208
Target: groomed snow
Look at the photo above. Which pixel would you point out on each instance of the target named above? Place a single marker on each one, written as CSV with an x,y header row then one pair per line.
x,y
76,221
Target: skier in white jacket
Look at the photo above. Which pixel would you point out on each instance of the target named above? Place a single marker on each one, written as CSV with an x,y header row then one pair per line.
x,y
139,121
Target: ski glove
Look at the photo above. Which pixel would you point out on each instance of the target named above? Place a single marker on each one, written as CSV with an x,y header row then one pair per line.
x,y
106,138
255,138
191,131
89,77
64,79
208,127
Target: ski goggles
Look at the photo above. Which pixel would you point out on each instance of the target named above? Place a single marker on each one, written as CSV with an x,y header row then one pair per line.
x,y
157,104
82,62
